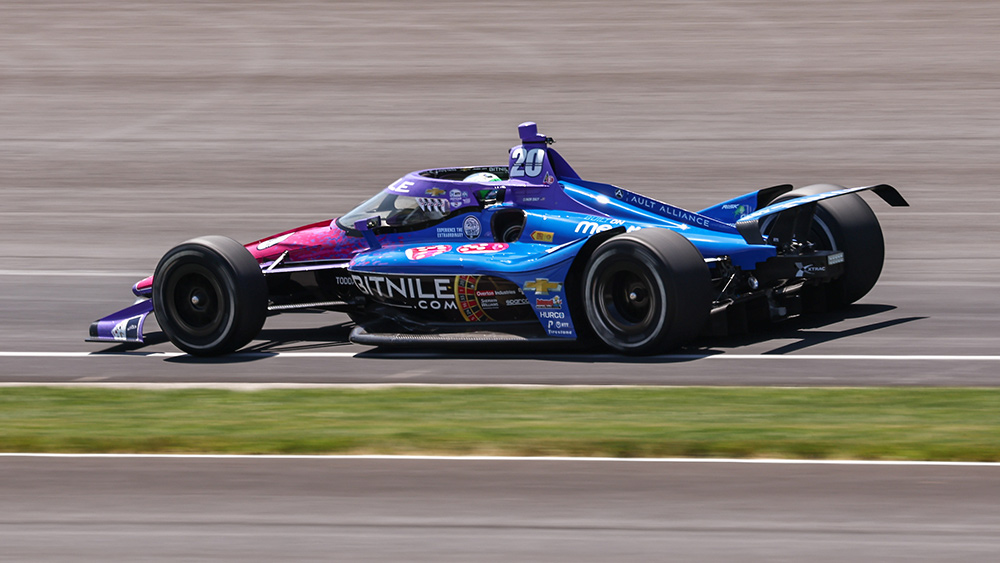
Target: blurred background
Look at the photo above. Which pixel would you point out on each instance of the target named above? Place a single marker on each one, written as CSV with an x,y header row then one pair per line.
x,y
127,127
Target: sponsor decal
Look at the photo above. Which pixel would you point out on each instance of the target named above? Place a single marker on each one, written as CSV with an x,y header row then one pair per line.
x,y
593,227
421,252
558,328
482,247
472,227
403,287
400,186
467,298
552,314
548,179
739,210
434,205
127,329
806,270
542,236
661,208
449,232
835,258
458,197
555,303
271,242
542,286
434,192
497,292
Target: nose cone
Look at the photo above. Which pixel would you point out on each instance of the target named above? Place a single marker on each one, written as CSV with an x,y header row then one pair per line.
x,y
319,241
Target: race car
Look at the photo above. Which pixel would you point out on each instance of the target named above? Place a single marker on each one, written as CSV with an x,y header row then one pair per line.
x,y
521,253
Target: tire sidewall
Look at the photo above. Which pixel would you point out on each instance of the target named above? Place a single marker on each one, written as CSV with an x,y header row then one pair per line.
x,y
241,292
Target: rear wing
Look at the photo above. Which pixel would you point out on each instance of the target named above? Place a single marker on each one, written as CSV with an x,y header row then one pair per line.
x,y
794,211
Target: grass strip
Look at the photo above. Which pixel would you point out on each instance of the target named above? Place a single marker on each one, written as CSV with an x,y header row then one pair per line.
x,y
896,424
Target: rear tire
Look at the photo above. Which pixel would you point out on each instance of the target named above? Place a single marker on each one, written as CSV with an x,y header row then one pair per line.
x,y
209,296
646,292
848,224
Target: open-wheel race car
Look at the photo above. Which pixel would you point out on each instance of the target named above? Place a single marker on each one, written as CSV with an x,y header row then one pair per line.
x,y
523,252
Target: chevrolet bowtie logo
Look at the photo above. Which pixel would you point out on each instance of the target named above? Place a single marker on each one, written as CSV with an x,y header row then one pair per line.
x,y
542,286
434,191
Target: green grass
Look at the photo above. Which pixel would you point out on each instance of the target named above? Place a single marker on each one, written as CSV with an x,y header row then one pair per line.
x,y
905,424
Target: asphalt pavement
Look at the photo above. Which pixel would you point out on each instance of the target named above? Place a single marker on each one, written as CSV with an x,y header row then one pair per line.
x,y
170,509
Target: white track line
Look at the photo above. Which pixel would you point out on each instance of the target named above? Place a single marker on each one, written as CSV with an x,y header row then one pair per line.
x,y
515,458
76,274
405,355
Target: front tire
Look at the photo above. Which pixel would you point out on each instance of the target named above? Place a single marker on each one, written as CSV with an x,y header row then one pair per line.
x,y
647,291
209,296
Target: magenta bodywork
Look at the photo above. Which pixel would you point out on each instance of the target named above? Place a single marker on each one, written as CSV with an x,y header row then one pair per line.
x,y
323,241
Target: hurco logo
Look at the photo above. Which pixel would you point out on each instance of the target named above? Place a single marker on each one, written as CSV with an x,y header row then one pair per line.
x,y
542,286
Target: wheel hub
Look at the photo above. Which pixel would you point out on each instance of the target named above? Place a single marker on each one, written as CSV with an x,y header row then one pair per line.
x,y
198,299
624,298
196,304
637,295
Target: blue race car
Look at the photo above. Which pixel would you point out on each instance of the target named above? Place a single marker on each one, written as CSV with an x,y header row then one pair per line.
x,y
527,252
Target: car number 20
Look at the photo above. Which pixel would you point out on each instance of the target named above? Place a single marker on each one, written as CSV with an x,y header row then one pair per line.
x,y
527,163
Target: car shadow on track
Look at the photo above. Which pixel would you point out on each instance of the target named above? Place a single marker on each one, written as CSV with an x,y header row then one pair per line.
x,y
280,340
806,331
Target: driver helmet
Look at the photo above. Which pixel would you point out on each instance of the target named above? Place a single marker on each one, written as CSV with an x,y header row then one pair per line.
x,y
482,177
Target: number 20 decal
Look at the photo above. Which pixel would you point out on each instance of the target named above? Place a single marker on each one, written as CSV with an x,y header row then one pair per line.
x,y
527,163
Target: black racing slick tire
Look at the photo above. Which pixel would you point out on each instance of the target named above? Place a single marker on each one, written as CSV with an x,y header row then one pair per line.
x,y
647,291
848,224
209,296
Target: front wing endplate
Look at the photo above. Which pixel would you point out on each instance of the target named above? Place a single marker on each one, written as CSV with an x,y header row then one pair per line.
x,y
122,326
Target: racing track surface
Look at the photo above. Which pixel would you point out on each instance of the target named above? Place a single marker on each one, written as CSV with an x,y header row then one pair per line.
x,y
128,128
168,509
